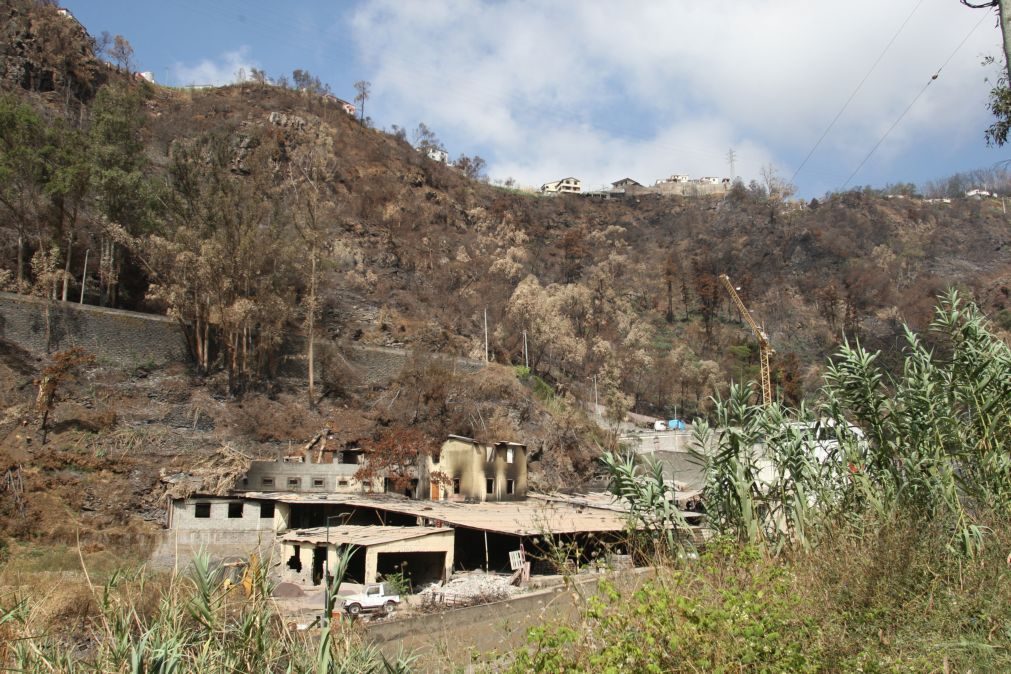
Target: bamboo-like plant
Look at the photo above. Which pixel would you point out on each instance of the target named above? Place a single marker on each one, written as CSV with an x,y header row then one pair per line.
x,y
200,624
933,441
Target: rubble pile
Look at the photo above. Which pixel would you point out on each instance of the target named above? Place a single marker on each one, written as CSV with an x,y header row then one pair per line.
x,y
468,589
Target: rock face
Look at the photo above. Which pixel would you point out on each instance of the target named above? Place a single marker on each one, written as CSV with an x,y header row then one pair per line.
x,y
46,50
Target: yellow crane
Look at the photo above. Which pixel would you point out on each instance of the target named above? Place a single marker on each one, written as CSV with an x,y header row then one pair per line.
x,y
764,347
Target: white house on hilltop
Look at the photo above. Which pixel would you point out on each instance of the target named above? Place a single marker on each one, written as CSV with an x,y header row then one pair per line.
x,y
565,185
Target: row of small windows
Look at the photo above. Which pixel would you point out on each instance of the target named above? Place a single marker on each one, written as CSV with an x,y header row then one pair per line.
x,y
202,510
296,482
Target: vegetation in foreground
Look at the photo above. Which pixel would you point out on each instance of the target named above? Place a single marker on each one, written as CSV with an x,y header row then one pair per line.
x,y
838,550
135,623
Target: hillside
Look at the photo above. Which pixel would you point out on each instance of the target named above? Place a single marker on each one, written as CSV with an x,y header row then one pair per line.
x,y
258,215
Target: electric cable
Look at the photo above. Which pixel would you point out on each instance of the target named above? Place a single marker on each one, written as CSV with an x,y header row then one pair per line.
x,y
855,91
912,103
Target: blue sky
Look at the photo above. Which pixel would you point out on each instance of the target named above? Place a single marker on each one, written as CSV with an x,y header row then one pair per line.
x,y
604,90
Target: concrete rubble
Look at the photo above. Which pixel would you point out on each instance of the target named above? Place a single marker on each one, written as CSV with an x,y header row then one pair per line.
x,y
465,589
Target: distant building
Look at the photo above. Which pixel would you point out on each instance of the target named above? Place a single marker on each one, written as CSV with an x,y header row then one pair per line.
x,y
347,107
978,193
625,184
568,185
146,75
437,154
676,178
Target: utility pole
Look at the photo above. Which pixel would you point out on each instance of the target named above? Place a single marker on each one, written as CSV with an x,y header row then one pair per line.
x,y
486,335
732,160
526,358
84,274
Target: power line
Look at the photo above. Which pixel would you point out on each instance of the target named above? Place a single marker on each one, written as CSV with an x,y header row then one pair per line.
x,y
912,103
855,91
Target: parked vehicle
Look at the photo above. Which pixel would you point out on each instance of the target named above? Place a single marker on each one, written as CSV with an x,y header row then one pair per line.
x,y
375,599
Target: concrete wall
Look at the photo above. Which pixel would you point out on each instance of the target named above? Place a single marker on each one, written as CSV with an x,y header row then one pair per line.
x,y
312,477
182,516
130,339
118,337
177,548
468,461
445,641
442,543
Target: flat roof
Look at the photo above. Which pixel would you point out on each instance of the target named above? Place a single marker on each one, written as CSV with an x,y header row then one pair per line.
x,y
537,515
363,536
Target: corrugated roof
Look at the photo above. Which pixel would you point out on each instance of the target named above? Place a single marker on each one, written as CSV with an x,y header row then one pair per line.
x,y
519,518
363,536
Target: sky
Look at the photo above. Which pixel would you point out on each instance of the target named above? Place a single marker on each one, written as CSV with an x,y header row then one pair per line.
x,y
544,89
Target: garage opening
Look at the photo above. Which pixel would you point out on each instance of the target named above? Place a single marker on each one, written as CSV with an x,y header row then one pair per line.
x,y
356,567
419,568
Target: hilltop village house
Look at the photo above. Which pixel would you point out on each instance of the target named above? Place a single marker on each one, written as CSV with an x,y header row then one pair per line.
x,y
568,185
471,511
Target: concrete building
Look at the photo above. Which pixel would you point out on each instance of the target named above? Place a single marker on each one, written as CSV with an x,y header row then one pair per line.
x,y
626,184
421,554
568,185
323,471
467,470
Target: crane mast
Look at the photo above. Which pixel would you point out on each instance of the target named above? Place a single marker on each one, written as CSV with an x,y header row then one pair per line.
x,y
764,347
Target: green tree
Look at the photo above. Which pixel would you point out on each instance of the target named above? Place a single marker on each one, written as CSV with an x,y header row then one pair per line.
x,y
121,190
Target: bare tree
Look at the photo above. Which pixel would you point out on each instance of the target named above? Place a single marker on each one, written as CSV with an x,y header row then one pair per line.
x,y
121,53
363,88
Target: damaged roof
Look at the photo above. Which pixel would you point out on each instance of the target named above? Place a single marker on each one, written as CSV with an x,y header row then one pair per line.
x,y
539,515
363,536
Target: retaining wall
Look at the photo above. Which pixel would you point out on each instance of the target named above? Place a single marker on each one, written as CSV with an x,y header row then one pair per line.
x,y
130,339
116,337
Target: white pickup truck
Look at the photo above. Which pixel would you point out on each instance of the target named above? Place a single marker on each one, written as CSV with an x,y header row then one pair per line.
x,y
374,599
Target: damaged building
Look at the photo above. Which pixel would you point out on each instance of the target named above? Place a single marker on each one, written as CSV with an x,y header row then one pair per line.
x,y
474,511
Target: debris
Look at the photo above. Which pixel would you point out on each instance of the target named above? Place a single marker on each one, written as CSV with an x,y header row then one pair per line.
x,y
287,591
215,476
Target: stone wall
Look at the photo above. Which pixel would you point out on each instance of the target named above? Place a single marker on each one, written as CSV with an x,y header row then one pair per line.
x,y
131,339
116,337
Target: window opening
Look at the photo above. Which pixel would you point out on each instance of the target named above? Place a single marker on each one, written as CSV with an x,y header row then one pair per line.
x,y
202,510
235,510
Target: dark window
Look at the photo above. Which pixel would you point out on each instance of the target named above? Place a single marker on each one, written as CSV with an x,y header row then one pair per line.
x,y
267,511
293,483
234,510
317,482
245,482
268,482
456,485
510,486
343,483
489,485
202,510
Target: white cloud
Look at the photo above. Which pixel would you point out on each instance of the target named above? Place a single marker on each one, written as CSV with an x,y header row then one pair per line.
x,y
228,68
603,90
